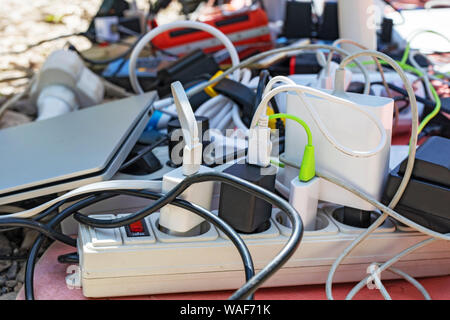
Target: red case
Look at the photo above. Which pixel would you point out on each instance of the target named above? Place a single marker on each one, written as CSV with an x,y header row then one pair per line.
x,y
243,28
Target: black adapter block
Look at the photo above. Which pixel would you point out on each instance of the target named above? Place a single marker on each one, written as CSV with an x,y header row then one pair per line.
x,y
298,20
426,199
185,69
245,212
328,28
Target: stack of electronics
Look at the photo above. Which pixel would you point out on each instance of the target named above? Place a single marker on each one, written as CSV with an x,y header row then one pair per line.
x,y
239,149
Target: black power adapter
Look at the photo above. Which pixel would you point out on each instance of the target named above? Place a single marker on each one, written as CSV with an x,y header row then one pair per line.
x,y
426,199
298,20
328,28
243,211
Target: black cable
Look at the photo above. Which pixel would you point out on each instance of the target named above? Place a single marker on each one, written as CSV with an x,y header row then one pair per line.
x,y
29,268
95,197
402,99
170,197
48,211
264,78
143,152
31,261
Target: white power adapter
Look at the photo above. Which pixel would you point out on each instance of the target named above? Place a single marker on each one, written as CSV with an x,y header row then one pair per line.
x,y
352,129
175,220
181,221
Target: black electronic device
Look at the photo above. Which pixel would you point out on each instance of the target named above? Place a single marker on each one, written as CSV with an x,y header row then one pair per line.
x,y
426,199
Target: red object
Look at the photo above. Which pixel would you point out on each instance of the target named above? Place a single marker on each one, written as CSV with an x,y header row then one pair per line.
x,y
49,284
243,28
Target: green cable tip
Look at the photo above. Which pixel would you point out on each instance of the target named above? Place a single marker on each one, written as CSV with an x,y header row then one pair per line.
x,y
308,166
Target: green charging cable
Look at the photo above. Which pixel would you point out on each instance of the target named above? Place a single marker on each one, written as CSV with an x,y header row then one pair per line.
x,y
308,166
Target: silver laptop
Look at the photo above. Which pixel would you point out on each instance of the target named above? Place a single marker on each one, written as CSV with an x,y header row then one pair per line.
x,y
71,150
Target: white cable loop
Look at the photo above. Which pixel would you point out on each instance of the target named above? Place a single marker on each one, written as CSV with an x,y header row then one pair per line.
x,y
175,25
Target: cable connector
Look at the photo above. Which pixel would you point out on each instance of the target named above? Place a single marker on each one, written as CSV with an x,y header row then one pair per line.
x,y
192,158
192,152
259,144
210,89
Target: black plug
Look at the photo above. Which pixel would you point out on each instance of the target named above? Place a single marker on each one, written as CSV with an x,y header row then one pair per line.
x,y
185,69
243,211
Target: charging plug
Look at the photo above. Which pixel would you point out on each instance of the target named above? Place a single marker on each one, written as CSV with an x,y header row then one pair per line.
x,y
328,75
308,166
173,219
243,211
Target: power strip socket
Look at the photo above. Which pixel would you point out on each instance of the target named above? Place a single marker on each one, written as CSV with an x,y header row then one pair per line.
x,y
113,264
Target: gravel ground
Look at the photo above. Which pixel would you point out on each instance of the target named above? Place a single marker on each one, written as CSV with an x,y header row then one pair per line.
x,y
23,23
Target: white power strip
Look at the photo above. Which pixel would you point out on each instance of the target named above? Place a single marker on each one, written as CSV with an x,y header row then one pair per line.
x,y
114,264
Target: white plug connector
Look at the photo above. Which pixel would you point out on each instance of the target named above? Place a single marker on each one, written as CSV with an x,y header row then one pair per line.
x,y
304,197
174,219
259,144
181,221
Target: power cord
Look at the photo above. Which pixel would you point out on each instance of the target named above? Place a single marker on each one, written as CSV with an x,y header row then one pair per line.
x,y
275,264
171,197
233,236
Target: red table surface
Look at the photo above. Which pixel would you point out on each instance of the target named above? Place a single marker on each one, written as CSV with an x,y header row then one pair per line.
x,y
49,284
